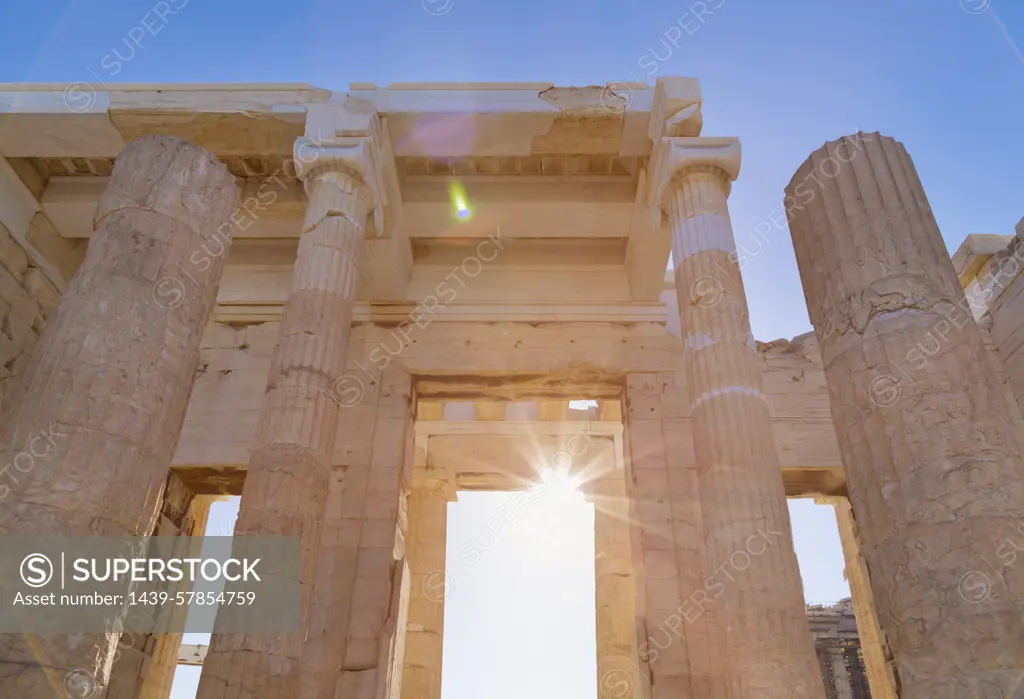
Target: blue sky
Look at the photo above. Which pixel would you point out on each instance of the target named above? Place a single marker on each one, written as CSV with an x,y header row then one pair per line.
x,y
783,76
943,76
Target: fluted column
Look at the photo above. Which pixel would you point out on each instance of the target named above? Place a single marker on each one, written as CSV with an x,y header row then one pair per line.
x,y
746,518
428,530
287,480
934,470
90,430
840,676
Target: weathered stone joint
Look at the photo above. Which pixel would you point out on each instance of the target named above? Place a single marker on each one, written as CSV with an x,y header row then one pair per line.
x,y
159,191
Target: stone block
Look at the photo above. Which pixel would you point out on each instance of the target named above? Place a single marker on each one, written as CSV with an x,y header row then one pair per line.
x,y
41,289
65,255
660,565
9,349
12,255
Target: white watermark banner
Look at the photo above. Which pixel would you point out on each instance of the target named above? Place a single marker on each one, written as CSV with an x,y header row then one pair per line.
x,y
149,585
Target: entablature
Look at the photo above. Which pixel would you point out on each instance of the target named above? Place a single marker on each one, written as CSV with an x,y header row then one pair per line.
x,y
560,171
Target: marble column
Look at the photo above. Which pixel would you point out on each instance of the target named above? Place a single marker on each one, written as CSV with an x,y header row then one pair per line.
x,y
615,585
287,479
757,586
426,554
934,470
91,428
840,676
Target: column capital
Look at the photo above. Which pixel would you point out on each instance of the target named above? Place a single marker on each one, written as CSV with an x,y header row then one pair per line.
x,y
675,157
347,135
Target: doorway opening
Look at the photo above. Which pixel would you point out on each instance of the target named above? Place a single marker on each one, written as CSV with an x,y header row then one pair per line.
x,y
194,646
519,616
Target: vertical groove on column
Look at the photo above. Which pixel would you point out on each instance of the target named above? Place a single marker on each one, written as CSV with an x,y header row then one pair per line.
x,y
933,465
287,480
760,596
108,383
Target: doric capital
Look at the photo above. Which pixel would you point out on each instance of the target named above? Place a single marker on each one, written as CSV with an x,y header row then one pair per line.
x,y
346,134
676,157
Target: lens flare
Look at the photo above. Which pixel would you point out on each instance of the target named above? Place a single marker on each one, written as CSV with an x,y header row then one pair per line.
x,y
458,195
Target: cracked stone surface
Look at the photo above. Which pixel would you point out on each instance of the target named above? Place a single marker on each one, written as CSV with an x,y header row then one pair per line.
x,y
287,481
93,422
934,468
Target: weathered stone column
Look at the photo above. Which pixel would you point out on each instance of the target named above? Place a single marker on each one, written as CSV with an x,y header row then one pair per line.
x,y
934,470
872,639
746,520
287,480
89,432
840,677
615,591
425,553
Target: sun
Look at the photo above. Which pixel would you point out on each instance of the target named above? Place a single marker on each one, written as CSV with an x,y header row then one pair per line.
x,y
556,493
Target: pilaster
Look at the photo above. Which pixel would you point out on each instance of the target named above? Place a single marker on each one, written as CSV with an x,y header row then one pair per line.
x,y
430,494
355,642
681,650
615,579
